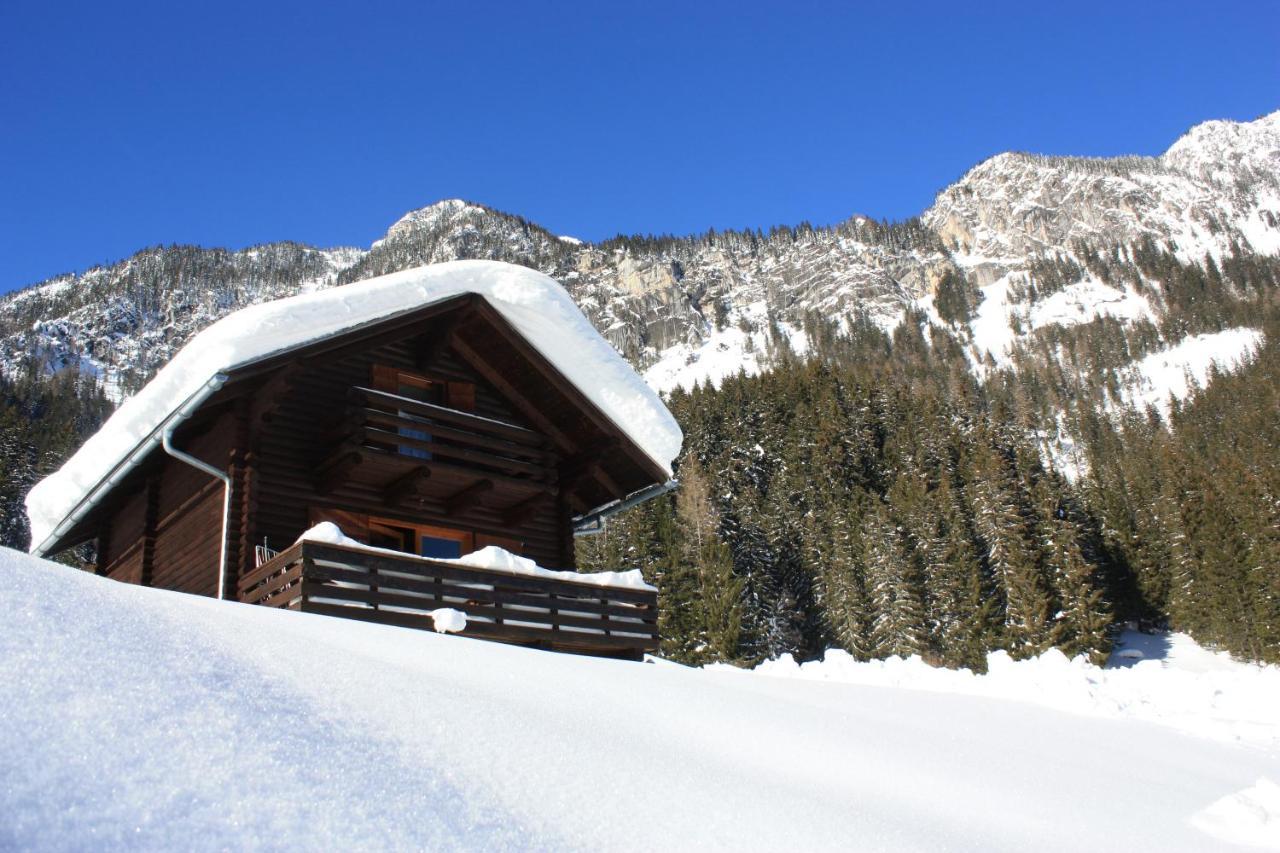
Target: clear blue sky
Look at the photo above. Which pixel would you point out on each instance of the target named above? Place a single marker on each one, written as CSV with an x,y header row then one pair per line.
x,y
229,124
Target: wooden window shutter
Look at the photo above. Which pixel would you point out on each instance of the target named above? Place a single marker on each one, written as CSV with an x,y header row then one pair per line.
x,y
385,378
462,396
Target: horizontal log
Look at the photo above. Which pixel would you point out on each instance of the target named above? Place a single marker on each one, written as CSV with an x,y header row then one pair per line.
x,y
361,416
430,410
452,571
387,581
406,485
463,500
336,469
483,630
437,448
384,596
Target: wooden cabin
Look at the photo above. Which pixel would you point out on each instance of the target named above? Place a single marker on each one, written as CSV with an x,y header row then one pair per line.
x,y
430,433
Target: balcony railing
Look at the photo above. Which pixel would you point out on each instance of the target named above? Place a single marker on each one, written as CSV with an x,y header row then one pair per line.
x,y
402,590
388,419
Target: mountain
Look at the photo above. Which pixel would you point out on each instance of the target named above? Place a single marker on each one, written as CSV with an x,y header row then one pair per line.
x,y
1042,408
703,306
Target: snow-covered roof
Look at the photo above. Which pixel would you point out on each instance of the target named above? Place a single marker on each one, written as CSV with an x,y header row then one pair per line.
x,y
535,305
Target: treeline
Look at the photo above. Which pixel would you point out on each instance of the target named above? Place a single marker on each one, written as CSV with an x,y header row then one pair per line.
x,y
1192,507
880,499
43,419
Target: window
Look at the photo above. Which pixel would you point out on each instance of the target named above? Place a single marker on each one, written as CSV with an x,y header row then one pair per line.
x,y
442,543
425,540
413,386
439,547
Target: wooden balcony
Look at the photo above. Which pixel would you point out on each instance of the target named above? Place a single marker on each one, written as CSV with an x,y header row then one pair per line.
x,y
394,589
409,448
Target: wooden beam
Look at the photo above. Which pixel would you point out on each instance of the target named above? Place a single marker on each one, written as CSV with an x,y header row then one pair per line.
x,y
523,511
441,338
526,406
336,469
468,497
268,396
581,465
560,381
150,526
406,485
357,341
589,465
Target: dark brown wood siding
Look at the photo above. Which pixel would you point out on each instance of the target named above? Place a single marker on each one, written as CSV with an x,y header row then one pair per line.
x,y
189,513
289,447
122,542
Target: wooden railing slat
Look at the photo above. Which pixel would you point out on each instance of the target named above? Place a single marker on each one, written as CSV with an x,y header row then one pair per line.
x,y
381,598
270,567
436,448
467,574
465,419
436,588
362,415
337,580
486,630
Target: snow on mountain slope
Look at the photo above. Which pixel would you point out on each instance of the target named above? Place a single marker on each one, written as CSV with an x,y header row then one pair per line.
x,y
1220,182
671,304
1175,371
137,717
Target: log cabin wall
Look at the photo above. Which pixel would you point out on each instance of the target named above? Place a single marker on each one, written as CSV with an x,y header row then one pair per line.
x,y
188,522
120,549
166,533
291,443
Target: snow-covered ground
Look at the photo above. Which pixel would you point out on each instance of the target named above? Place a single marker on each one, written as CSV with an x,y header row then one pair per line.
x,y
136,718
1162,678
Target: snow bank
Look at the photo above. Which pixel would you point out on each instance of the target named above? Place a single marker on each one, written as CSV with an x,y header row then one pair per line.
x,y
492,558
1160,678
535,305
142,718
1250,817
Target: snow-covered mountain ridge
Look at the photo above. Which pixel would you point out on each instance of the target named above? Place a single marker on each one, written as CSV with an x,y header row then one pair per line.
x,y
687,309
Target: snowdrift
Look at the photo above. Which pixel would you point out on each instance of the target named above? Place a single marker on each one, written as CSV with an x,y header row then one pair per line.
x,y
136,717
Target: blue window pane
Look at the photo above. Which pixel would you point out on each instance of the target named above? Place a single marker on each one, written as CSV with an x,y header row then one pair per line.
x,y
434,546
416,452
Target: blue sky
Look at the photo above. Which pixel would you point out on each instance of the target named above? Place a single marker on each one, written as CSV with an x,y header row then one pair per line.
x,y
123,126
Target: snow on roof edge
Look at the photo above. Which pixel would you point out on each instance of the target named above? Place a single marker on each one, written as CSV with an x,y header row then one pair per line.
x,y
535,305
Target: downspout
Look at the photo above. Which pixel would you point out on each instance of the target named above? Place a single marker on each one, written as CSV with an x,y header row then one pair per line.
x,y
167,443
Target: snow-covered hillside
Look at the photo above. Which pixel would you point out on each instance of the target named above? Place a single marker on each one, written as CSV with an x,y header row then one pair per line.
x,y
693,309
141,718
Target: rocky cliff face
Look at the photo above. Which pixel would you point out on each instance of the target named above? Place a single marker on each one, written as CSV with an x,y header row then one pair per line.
x,y
1217,186
691,308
